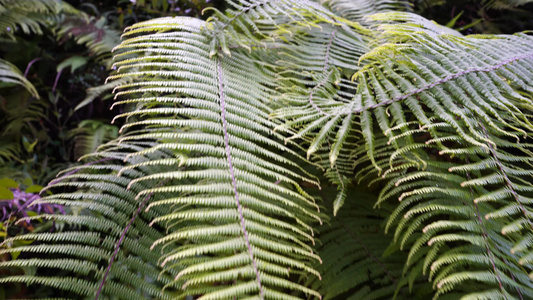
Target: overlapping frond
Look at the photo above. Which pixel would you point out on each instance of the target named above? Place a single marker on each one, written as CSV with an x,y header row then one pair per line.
x,y
230,114
459,159
356,10
242,217
359,260
467,168
105,238
442,120
90,31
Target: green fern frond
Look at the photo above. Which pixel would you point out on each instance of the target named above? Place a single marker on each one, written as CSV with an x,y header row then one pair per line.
x,y
229,119
11,74
9,151
358,261
356,10
224,152
461,93
111,231
26,15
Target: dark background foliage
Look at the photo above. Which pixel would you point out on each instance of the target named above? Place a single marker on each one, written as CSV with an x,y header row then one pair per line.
x,y
38,137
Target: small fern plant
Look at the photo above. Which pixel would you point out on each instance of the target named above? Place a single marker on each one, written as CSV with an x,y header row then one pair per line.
x,y
296,150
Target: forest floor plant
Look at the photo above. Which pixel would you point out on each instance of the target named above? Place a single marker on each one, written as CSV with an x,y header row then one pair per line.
x,y
295,150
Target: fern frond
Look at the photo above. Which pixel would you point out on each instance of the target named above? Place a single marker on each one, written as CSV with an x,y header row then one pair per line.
x,y
421,94
10,73
26,15
356,10
104,212
460,195
222,147
359,262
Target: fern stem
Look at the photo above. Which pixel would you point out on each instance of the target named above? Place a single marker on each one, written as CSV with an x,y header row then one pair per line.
x,y
441,81
485,238
120,240
313,104
56,81
326,59
513,192
30,64
233,179
255,46
512,277
504,174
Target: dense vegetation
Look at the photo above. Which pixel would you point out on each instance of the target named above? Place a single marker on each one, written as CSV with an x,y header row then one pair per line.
x,y
262,152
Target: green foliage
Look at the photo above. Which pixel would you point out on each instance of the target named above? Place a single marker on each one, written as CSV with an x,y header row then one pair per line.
x,y
64,52
27,15
232,123
506,3
9,73
479,16
31,26
89,135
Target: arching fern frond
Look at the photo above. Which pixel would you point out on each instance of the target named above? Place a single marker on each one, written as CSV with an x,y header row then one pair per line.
x,y
237,221
244,218
356,10
11,74
106,236
230,116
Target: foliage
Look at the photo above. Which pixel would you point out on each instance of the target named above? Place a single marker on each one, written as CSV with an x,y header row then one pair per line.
x,y
479,16
26,116
15,203
64,50
507,3
90,134
233,125
10,73
357,260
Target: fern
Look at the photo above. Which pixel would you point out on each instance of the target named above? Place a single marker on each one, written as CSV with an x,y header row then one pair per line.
x,y
235,120
506,4
90,135
358,262
26,15
29,15
11,74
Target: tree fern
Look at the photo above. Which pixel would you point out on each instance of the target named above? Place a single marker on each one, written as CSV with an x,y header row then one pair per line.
x,y
235,119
